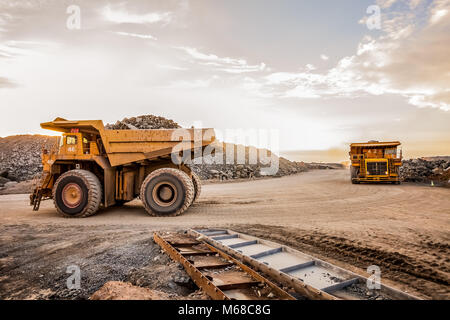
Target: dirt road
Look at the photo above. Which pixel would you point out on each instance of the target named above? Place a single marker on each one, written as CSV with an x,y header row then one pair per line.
x,y
403,229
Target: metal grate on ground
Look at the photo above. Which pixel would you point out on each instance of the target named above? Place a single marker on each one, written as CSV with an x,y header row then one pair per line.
x,y
219,275
310,277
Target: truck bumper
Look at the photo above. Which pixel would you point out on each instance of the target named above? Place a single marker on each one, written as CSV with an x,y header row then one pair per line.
x,y
376,179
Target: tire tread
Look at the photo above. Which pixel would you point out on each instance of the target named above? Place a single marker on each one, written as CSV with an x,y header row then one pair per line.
x,y
184,179
94,193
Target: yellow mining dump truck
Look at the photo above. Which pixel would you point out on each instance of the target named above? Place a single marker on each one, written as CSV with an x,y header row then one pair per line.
x,y
375,162
93,166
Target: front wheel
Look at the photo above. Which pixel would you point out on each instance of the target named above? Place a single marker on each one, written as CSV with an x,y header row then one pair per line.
x,y
354,172
167,192
77,194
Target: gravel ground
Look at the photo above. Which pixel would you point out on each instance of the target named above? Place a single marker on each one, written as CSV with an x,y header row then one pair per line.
x,y
34,261
403,229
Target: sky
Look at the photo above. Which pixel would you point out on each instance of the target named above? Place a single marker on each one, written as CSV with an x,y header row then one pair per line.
x,y
317,75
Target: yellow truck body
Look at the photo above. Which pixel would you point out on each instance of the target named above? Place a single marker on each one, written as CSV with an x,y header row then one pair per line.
x,y
375,161
121,160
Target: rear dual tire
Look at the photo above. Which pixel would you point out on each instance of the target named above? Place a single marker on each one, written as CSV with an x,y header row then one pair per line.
x,y
167,192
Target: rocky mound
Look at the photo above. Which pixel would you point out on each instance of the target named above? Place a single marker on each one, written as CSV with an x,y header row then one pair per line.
x,y
209,171
248,169
20,156
143,122
425,171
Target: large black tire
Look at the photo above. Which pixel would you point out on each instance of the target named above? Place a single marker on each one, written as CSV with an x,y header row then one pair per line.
x,y
167,192
77,194
353,174
197,186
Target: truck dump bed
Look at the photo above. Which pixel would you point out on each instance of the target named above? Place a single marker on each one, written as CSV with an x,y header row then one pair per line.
x,y
126,146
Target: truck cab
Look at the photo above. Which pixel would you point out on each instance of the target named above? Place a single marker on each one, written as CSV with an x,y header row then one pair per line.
x,y
78,143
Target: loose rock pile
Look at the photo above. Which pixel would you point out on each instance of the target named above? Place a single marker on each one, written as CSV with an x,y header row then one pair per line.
x,y
425,171
143,122
210,171
20,156
246,171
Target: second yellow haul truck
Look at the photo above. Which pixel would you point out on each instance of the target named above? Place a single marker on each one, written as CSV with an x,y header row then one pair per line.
x,y
375,161
93,166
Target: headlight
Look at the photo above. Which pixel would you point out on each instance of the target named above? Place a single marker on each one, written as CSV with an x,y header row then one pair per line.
x,y
387,172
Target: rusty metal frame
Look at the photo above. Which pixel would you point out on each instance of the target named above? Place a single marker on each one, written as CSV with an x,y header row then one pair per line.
x,y
281,276
298,285
203,282
253,273
199,279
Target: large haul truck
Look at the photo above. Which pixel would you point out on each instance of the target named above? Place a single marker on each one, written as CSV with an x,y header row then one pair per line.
x,y
93,166
375,161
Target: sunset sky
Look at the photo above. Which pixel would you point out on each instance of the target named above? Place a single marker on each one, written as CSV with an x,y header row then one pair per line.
x,y
313,70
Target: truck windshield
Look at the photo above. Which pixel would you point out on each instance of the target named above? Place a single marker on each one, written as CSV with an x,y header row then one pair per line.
x,y
70,140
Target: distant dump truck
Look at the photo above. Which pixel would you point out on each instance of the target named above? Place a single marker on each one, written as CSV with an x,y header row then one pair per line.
x,y
375,162
93,166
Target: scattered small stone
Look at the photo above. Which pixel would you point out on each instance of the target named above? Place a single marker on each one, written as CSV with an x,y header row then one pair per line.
x,y
144,122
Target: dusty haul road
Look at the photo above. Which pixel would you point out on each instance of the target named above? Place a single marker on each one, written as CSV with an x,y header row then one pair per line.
x,y
405,230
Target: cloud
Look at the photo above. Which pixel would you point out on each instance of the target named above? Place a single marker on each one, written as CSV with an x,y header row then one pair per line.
x,y
6,83
170,67
439,10
141,36
414,3
120,15
385,4
13,48
191,84
324,57
22,4
407,59
5,18
224,64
